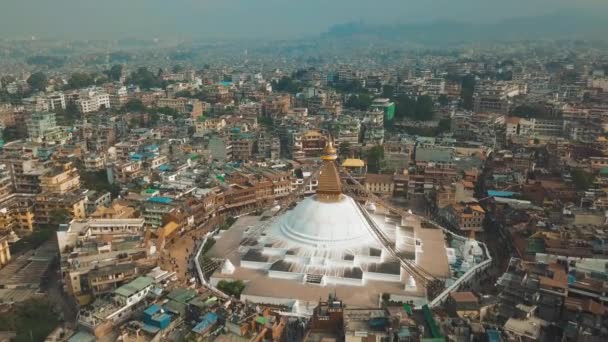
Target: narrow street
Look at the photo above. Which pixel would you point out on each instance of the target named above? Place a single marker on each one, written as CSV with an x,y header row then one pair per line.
x,y
62,302
179,249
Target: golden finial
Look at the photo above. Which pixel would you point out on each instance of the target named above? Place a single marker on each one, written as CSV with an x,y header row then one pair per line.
x,y
329,152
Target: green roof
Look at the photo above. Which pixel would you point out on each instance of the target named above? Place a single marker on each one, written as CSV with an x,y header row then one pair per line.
x,y
604,171
261,319
433,155
175,307
182,295
134,286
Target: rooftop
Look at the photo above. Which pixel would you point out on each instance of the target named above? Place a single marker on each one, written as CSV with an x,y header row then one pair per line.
x,y
134,286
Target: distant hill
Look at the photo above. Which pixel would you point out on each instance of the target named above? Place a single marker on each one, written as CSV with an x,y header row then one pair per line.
x,y
560,25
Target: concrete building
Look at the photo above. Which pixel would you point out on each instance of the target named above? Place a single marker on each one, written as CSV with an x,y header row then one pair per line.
x,y
60,179
380,184
5,253
495,97
50,207
93,100
464,217
95,255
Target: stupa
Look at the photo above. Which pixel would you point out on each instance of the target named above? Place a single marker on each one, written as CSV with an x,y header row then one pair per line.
x,y
324,245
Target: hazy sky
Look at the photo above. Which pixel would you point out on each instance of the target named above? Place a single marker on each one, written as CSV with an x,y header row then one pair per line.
x,y
96,19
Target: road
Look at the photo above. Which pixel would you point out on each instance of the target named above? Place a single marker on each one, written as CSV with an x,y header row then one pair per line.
x,y
178,250
54,290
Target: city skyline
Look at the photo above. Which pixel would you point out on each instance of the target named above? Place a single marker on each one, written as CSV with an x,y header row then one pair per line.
x,y
239,19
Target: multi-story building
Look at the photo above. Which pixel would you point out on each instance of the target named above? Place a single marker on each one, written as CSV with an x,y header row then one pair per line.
x,y
94,257
386,106
56,101
119,96
313,143
242,146
97,199
52,207
533,128
5,253
464,217
42,127
398,154
379,184
35,104
25,172
116,210
60,180
495,97
93,100
17,213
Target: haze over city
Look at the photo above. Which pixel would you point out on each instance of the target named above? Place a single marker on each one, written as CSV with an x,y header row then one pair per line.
x,y
304,170
268,19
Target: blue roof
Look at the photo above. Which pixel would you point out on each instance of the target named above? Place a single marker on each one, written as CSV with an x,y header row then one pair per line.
x,y
150,328
496,193
162,200
226,83
208,320
136,156
152,309
493,335
165,167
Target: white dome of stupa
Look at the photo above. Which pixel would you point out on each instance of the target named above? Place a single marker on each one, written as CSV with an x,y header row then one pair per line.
x,y
325,224
470,250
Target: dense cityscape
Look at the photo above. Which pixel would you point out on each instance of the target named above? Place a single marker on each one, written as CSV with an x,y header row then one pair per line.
x,y
331,189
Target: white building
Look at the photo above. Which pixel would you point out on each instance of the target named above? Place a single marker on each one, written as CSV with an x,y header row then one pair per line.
x,y
93,100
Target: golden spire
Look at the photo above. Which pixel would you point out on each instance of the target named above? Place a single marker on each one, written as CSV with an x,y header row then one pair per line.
x,y
330,187
329,152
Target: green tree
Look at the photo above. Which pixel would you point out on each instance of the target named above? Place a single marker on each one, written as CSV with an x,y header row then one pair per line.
x,y
145,79
178,68
388,91
168,111
32,320
374,158
530,111
114,73
421,109
286,84
233,288
345,149
6,80
134,105
405,107
184,93
266,121
359,101
80,80
445,125
98,181
582,179
38,81
467,90
59,216
424,108
443,100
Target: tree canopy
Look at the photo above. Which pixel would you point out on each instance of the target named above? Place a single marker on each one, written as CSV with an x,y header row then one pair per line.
x,y
421,109
359,101
467,90
374,158
38,81
233,288
145,79
114,73
286,84
80,80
